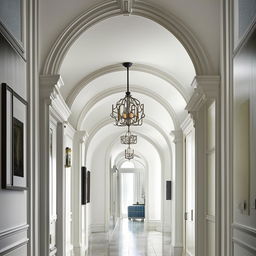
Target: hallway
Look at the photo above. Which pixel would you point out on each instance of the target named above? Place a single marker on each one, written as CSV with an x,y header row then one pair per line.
x,y
130,238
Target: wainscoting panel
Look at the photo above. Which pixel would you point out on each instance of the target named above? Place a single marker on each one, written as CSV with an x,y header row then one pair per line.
x,y
14,240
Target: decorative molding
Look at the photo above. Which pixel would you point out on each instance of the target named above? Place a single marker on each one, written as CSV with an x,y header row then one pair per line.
x,y
117,68
95,228
243,228
136,89
177,136
244,245
205,87
126,6
108,121
12,231
69,130
112,8
187,124
208,85
50,91
14,246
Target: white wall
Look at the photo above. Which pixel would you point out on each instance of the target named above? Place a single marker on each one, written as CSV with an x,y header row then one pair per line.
x,y
14,204
244,141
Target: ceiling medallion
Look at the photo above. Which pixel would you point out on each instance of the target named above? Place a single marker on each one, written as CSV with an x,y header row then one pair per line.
x,y
128,138
128,111
129,153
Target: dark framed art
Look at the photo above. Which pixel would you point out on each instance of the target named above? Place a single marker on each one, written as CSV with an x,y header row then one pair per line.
x,y
88,195
13,24
14,140
83,185
168,190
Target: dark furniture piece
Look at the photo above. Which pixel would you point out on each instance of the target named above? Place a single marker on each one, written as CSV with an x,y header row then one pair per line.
x,y
136,211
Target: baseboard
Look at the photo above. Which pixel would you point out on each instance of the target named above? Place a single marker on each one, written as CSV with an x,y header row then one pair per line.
x,y
176,250
79,251
96,228
153,225
166,228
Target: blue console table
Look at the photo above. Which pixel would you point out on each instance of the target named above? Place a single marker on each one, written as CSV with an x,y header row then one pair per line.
x,y
136,211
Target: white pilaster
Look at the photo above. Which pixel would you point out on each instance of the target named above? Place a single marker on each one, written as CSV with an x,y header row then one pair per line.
x,y
51,103
79,245
177,201
206,90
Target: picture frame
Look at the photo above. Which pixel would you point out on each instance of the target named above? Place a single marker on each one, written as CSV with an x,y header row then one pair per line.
x,y
14,140
88,194
13,24
168,190
83,185
68,152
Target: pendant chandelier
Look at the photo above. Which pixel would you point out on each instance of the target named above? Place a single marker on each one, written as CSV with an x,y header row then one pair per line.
x,y
129,153
128,138
128,111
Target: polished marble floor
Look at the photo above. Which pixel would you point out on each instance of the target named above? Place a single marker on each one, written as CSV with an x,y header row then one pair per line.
x,y
130,238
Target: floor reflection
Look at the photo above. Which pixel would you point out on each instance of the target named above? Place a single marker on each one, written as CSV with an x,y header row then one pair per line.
x,y
130,238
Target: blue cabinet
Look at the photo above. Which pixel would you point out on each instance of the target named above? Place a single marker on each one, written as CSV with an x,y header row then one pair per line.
x,y
136,211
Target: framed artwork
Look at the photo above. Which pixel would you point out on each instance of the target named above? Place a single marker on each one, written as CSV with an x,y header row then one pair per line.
x,y
168,190
67,157
13,24
14,140
88,186
83,185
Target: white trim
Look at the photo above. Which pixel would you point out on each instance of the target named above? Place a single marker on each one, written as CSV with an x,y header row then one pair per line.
x,y
108,121
12,247
177,250
244,245
88,107
249,230
112,8
8,232
118,67
97,228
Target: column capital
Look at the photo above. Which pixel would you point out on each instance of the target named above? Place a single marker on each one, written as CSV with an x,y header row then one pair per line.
x,y
207,85
177,136
50,92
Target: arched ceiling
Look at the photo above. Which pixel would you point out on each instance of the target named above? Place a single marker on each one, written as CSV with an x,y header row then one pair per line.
x,y
95,79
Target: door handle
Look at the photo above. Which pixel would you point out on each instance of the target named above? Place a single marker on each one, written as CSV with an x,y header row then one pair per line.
x,y
192,215
185,216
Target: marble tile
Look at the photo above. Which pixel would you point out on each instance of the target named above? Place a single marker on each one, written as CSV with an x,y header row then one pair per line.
x,y
130,238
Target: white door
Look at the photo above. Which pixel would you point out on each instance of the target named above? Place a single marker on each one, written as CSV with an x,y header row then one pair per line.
x,y
190,194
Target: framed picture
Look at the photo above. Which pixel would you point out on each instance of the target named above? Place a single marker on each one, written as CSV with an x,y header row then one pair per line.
x,y
88,186
83,185
14,140
168,190
13,24
67,157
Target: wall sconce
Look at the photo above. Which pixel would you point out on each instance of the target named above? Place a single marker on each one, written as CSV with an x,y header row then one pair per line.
x,y
67,157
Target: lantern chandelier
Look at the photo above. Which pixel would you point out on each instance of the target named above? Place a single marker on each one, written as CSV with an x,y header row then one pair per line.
x,y
129,153
128,111
128,138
